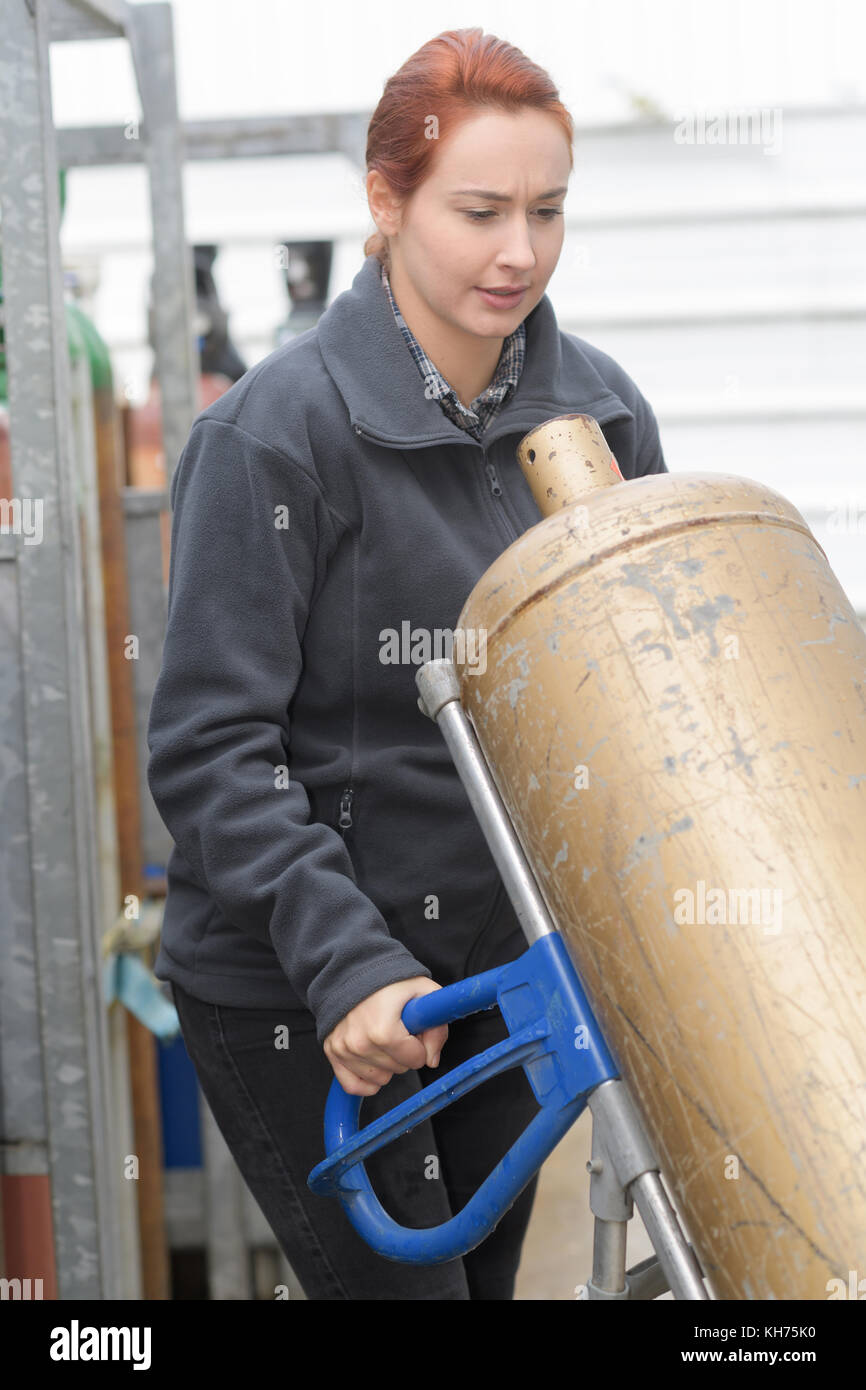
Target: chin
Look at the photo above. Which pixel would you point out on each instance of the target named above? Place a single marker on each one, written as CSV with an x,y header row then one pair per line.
x,y
507,326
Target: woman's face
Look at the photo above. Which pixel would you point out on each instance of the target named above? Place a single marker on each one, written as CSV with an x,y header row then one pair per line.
x,y
450,242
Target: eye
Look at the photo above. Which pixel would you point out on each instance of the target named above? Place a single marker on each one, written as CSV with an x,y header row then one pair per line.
x,y
546,214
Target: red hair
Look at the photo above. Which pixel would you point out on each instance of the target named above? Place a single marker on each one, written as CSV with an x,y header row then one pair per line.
x,y
451,76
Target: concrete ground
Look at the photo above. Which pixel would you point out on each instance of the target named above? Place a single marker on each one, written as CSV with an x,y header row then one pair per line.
x,y
557,1251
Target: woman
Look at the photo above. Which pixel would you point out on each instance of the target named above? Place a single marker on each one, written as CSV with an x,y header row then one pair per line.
x,y
332,511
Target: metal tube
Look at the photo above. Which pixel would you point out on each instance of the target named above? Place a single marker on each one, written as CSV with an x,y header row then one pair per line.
x,y
621,1133
676,1256
151,42
608,1255
437,682
61,827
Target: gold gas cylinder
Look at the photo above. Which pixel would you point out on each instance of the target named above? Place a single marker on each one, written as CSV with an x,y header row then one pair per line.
x,y
672,703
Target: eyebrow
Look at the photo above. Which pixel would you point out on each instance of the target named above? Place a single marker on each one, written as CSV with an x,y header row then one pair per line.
x,y
503,197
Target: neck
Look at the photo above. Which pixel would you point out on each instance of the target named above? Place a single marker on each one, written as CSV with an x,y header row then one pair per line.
x,y
467,361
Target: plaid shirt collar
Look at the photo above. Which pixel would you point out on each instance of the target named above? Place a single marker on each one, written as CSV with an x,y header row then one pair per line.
x,y
480,414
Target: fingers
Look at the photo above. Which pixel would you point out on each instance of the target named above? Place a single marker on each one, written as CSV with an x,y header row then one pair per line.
x,y
371,1055
359,1070
394,1051
353,1084
371,1044
434,1039
362,1068
363,1073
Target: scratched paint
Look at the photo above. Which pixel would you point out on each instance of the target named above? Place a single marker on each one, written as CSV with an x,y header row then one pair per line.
x,y
741,757
646,575
691,566
561,855
705,616
514,688
645,843
834,621
658,646
649,575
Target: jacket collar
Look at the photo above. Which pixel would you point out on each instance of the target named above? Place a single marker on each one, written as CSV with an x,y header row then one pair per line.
x,y
367,357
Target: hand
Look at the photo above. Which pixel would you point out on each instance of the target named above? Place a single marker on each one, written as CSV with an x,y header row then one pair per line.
x,y
371,1043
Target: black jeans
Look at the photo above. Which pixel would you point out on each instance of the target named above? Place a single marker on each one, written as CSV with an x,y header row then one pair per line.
x,y
269,1103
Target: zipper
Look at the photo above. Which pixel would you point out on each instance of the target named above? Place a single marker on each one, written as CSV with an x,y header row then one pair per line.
x,y
496,491
495,488
494,481
345,820
345,817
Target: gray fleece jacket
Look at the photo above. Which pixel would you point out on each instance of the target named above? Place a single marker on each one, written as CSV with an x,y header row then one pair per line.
x,y
329,522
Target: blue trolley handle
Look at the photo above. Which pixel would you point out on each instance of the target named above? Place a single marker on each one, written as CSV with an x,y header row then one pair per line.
x,y
552,1035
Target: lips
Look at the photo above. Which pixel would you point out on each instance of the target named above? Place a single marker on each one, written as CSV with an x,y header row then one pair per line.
x,y
498,299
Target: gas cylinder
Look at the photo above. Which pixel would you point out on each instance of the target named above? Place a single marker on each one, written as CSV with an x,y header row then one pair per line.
x,y
673,708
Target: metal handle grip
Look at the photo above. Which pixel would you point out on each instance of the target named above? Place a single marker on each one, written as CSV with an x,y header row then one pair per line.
x,y
552,1035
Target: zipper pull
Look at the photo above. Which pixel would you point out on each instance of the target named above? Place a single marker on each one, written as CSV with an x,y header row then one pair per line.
x,y
494,481
345,809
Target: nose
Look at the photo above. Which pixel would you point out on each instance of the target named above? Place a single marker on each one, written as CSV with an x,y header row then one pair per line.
x,y
516,249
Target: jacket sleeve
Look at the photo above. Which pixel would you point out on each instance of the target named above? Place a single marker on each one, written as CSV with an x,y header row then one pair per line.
x,y
240,589
650,458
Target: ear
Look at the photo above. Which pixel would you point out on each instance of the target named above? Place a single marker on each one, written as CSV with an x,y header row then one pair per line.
x,y
385,206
